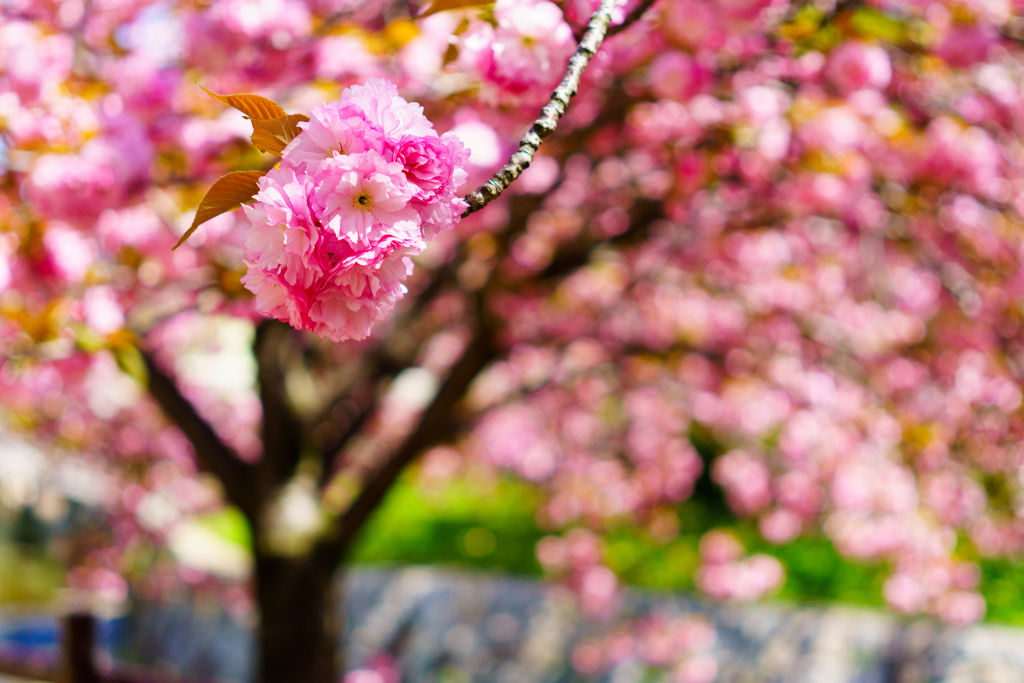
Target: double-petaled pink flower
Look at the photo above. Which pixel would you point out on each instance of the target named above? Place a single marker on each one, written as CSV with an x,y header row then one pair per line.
x,y
434,167
524,56
358,193
337,128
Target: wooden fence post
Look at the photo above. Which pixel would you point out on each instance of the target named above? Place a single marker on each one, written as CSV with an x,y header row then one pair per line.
x,y
77,663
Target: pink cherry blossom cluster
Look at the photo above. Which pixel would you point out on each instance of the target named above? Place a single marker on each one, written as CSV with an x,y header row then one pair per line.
x,y
727,575
358,193
681,644
577,559
103,174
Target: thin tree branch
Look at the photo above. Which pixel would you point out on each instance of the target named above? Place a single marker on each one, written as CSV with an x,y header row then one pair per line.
x,y
378,365
634,16
544,126
345,414
281,430
212,454
434,425
571,257
638,12
353,410
1013,29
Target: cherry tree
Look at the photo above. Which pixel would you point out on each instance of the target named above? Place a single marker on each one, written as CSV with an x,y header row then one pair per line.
x,y
785,232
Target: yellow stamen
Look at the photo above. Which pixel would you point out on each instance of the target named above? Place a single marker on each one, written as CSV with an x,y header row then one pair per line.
x,y
363,201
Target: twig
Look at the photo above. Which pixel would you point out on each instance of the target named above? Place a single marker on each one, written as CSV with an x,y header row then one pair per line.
x,y
631,18
1013,29
212,454
331,446
330,22
544,126
281,432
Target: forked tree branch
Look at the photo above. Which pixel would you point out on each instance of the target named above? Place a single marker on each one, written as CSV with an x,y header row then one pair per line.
x,y
379,365
212,454
355,408
434,425
281,430
240,480
597,29
638,12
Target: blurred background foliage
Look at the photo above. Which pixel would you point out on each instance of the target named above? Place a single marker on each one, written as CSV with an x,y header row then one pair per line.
x,y
488,521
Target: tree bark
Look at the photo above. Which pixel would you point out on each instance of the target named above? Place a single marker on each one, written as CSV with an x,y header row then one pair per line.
x,y
300,622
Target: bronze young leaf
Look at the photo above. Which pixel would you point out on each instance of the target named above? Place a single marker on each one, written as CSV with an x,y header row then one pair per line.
x,y
273,135
445,5
253,106
228,193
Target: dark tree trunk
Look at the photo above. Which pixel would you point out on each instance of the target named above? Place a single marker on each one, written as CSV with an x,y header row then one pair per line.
x,y
298,632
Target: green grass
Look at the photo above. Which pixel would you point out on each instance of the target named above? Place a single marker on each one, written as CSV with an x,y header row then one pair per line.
x,y
413,527
465,524
1002,584
28,575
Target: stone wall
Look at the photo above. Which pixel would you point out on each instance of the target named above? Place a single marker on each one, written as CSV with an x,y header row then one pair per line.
x,y
453,627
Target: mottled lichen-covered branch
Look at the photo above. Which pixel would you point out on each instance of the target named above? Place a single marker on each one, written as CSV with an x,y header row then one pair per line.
x,y
546,124
634,16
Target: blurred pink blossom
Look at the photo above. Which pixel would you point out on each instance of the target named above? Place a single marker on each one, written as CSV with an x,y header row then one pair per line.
x,y
855,65
524,56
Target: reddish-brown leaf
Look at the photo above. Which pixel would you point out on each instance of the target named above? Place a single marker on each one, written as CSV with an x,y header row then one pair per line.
x,y
273,135
444,5
228,193
253,106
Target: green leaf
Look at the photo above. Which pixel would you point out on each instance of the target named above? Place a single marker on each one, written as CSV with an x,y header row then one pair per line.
x,y
445,5
130,360
230,524
273,135
253,106
804,23
228,193
870,23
